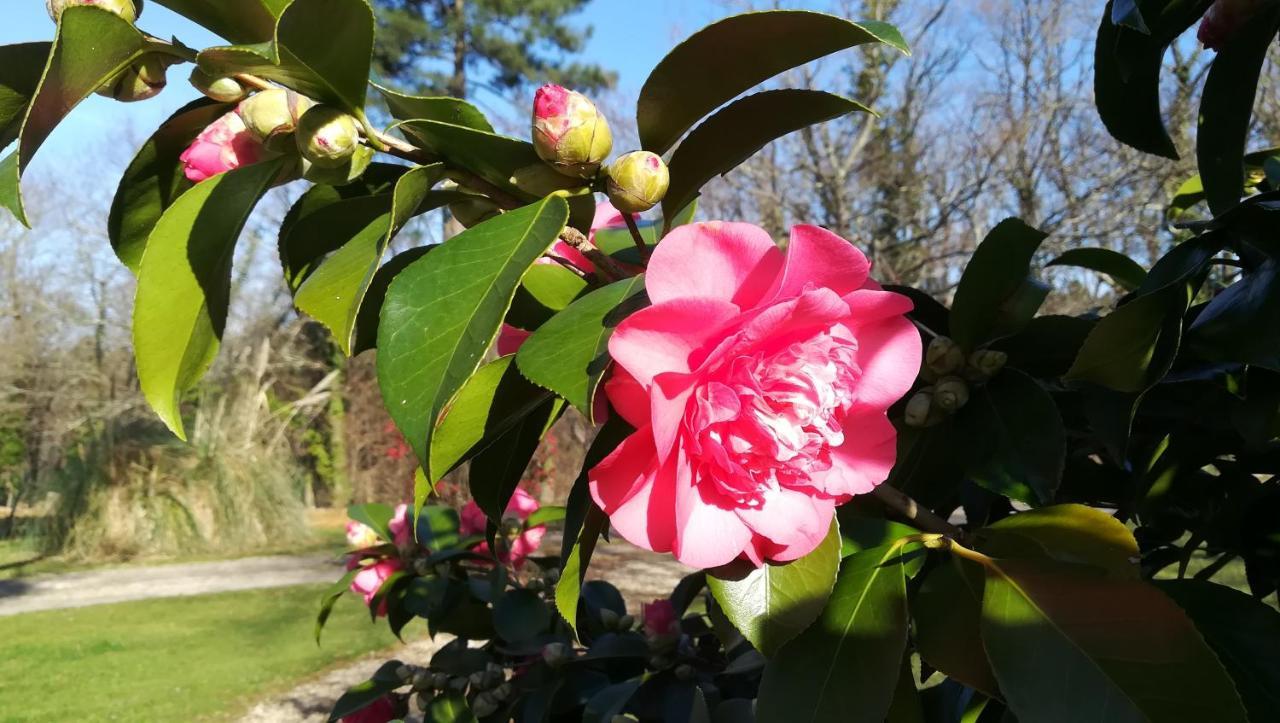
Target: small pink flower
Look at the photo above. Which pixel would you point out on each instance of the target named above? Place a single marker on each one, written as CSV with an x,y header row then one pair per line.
x,y
225,145
522,505
382,710
659,618
1223,19
369,580
399,524
758,383
360,535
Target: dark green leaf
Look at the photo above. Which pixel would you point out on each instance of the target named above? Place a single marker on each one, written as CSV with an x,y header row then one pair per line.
x,y
1069,533
567,354
772,604
906,706
239,21
375,515
1128,652
610,701
741,128
947,612
444,310
545,514
547,289
844,667
367,320
728,57
445,109
335,290
1226,107
154,180
437,527
497,159
1244,632
321,48
859,533
20,68
998,270
497,469
1131,348
1125,13
184,285
360,695
1024,439
1239,325
92,47
330,598
1123,271
1047,346
520,616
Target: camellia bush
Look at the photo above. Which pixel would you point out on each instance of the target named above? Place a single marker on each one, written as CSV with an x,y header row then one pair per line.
x,y
799,436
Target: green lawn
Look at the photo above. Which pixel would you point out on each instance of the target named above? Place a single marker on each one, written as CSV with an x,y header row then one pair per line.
x,y
207,657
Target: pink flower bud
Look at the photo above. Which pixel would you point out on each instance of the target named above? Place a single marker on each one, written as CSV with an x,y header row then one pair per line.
x,y
637,181
226,144
327,137
523,545
224,89
369,580
569,132
124,8
401,532
659,618
360,535
1223,19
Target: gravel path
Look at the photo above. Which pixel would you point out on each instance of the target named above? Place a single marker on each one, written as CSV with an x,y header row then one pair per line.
x,y
641,576
78,589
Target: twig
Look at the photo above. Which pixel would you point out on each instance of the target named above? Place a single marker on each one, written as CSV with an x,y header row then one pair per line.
x,y
605,265
922,517
635,236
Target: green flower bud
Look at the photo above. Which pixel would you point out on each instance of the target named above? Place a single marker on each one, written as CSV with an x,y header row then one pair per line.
x,y
457,685
944,356
327,137
144,79
439,680
984,364
425,699
477,680
539,179
124,8
919,408
626,622
950,393
349,171
569,132
610,619
637,181
224,89
502,692
273,114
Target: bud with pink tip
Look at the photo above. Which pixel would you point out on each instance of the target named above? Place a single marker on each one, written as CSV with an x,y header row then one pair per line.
x,y
226,144
1223,19
569,132
637,181
327,136
126,9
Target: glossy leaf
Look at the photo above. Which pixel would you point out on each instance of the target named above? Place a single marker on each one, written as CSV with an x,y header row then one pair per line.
x,y
1129,653
1047,346
1132,347
91,47
729,57
520,615
334,292
239,21
947,612
450,708
1022,435
497,469
993,278
495,158
1126,13
21,65
610,701
384,680
844,667
184,285
154,180
442,313
1123,271
1244,632
1226,107
567,353
437,108
1069,533
740,129
321,48
329,599
547,289
772,604
1238,325
366,337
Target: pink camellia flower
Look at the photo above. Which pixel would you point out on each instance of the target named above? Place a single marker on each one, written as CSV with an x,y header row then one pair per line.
x,y
369,580
522,504
401,532
226,144
382,710
757,383
659,618
1223,19
360,535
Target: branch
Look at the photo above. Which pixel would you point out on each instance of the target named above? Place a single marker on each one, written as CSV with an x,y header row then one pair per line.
x,y
913,511
605,265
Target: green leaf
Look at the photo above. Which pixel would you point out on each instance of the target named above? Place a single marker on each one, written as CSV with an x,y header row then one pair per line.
x,y
844,667
1123,271
548,288
20,69
367,319
334,292
1226,108
1244,632
453,111
740,129
728,57
567,354
1127,63
155,179
1048,344
1238,325
497,469
375,515
1131,348
239,21
1069,646
184,285
947,612
92,46
772,604
330,598
497,159
997,271
444,310
490,403
1126,13
437,527
1022,436
450,709
1069,533
361,695
321,48
520,616
859,533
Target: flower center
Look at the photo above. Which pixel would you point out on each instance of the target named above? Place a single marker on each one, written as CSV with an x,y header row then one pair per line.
x,y
771,419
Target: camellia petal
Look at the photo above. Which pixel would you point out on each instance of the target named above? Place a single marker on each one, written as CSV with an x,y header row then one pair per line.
x,y
734,262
